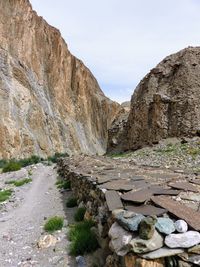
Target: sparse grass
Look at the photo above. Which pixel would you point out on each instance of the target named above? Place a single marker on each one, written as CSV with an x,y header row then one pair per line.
x,y
79,214
71,202
11,166
61,184
3,163
120,155
83,240
4,195
54,224
19,182
22,182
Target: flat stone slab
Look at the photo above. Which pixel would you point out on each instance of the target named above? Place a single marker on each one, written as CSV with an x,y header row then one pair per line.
x,y
190,196
113,200
146,210
138,196
118,185
161,253
185,186
183,240
179,210
195,181
169,192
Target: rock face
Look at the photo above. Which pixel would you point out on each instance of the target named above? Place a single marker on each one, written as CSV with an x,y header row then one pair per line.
x,y
164,104
49,101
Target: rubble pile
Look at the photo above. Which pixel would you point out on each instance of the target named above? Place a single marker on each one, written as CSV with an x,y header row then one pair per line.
x,y
145,216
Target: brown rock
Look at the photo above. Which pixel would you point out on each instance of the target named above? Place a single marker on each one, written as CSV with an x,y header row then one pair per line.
x,y
133,260
164,104
49,101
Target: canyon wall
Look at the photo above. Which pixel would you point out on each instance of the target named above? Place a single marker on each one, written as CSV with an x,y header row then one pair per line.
x,y
49,101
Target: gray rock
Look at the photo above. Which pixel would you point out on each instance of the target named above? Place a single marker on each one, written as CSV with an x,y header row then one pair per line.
x,y
161,253
184,240
195,259
165,226
120,239
129,221
143,246
81,261
181,226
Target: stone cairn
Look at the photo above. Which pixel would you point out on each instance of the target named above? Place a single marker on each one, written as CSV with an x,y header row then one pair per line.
x,y
131,239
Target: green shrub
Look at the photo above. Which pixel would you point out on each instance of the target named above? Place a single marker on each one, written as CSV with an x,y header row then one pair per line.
x,y
61,184
30,161
12,166
56,156
71,202
3,163
79,214
82,239
4,195
54,224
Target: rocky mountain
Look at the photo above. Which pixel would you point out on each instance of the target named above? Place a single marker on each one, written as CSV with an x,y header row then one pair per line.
x,y
166,103
49,101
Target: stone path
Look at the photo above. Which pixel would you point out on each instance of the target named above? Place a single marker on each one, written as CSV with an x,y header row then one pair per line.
x,y
22,220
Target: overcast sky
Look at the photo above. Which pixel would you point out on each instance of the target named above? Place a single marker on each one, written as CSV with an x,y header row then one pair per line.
x,y
120,41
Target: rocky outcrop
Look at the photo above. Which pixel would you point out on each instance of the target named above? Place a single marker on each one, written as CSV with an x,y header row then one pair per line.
x,y
165,103
117,131
49,101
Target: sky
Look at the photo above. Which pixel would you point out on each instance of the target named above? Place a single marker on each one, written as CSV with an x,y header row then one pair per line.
x,y
120,41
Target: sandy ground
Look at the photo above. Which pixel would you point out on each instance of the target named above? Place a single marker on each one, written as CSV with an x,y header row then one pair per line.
x,y
22,219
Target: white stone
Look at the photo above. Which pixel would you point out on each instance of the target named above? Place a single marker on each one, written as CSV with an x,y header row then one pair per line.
x,y
181,226
184,240
161,253
120,239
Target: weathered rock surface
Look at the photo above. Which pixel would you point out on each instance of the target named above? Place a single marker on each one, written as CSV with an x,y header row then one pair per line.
x,y
143,246
164,104
181,226
184,240
165,226
49,101
162,252
120,239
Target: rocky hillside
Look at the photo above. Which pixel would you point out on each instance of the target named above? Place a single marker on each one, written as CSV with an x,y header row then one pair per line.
x,y
166,103
49,101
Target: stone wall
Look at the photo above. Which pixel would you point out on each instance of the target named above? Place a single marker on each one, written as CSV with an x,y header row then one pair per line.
x,y
129,238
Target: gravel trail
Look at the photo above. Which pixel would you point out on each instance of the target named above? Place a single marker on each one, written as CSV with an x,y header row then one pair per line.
x,y
21,226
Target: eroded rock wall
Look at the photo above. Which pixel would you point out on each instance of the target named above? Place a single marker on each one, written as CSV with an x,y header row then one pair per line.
x,y
166,103
49,101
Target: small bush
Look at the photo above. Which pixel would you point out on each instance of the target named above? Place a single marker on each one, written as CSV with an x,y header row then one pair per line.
x,y
79,214
12,166
54,224
30,161
3,163
56,156
63,184
82,239
4,195
71,202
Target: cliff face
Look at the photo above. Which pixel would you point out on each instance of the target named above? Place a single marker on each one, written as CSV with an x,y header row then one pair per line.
x,y
49,101
166,103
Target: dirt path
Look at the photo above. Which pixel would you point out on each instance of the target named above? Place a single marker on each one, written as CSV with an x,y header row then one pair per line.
x,y
22,226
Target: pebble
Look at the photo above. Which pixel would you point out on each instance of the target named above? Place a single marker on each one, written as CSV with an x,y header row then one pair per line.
x,y
183,240
181,226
